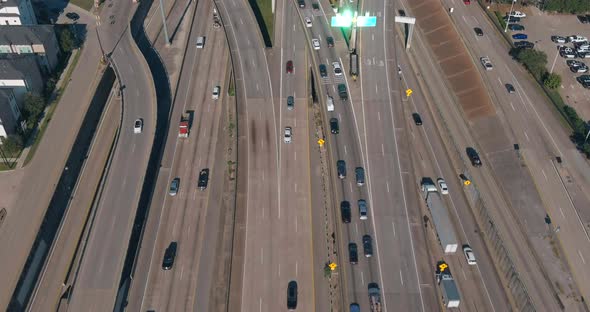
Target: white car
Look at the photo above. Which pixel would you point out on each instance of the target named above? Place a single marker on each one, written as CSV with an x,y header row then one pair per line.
x,y
138,125
216,90
288,134
485,61
337,68
576,38
469,256
315,43
517,14
442,185
330,103
308,22
558,39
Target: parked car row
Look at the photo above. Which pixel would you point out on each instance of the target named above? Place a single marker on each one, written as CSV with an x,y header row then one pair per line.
x,y
580,48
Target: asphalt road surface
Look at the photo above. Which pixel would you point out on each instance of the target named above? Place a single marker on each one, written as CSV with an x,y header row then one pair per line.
x,y
98,277
256,286
190,218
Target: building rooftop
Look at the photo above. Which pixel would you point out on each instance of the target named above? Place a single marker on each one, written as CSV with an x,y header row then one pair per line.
x,y
17,67
26,34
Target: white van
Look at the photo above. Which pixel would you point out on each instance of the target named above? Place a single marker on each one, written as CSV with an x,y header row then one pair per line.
x,y
200,42
330,104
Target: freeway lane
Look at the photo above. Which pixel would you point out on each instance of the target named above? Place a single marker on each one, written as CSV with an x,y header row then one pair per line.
x,y
191,218
259,184
99,273
479,285
293,243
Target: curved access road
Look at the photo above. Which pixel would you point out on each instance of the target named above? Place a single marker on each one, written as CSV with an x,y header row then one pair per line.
x,y
97,280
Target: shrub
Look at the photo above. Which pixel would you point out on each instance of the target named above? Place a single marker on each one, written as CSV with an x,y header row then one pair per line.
x,y
552,81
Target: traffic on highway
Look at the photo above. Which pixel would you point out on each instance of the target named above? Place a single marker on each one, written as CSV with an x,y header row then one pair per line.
x,y
309,155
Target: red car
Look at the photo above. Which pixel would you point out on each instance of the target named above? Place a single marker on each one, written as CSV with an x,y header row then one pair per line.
x,y
289,67
467,1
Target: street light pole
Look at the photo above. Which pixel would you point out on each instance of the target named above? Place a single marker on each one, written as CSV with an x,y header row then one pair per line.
x,y
509,15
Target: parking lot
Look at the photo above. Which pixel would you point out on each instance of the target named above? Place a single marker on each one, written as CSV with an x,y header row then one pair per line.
x,y
540,26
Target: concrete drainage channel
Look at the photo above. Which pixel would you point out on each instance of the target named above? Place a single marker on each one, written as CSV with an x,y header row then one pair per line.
x,y
61,197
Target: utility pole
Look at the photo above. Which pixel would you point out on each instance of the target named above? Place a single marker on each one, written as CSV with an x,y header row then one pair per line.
x,y
509,15
164,23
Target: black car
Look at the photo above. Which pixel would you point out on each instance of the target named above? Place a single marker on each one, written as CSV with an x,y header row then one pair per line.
x,y
583,19
473,156
353,254
515,27
401,12
334,128
510,88
360,176
341,167
417,119
169,256
524,44
584,80
203,179
478,31
292,295
368,246
73,16
301,3
345,211
513,19
323,70
330,41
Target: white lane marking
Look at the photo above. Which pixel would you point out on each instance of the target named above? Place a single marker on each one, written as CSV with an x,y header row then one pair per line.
x,y
562,214
295,155
279,269
257,86
376,90
387,184
362,278
382,150
241,22
582,257
356,228
260,304
261,255
512,106
345,150
527,136
401,277
296,268
379,116
350,184
373,37
295,224
543,172
393,227
554,60
464,275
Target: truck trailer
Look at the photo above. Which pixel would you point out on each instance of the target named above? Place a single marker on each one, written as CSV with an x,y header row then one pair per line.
x,y
440,217
448,288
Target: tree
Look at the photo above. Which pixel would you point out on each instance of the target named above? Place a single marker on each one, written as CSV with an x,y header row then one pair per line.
x,y
552,81
13,144
66,40
33,108
535,61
